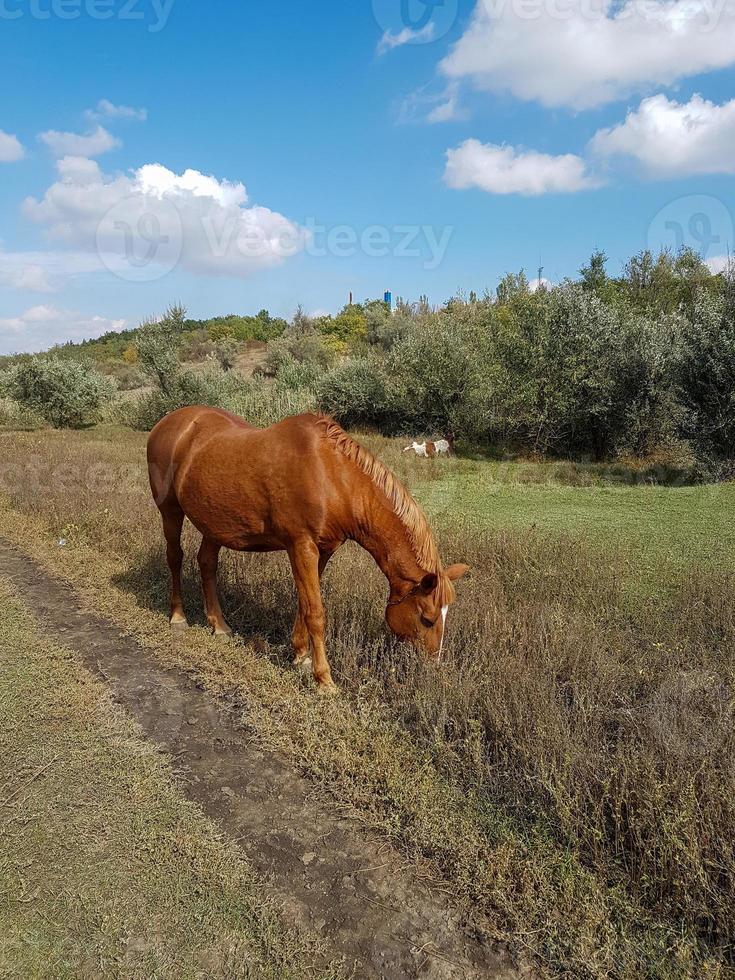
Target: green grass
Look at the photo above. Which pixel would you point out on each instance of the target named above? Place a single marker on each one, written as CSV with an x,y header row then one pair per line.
x,y
657,532
105,870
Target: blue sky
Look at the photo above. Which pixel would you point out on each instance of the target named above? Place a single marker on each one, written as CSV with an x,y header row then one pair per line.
x,y
234,156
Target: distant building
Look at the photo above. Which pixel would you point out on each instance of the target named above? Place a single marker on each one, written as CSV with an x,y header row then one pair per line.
x,y
388,298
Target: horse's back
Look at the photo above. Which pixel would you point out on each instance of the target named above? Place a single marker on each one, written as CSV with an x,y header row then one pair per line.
x,y
224,473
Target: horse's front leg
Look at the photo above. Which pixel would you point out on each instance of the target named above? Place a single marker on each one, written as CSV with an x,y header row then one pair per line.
x,y
306,563
300,635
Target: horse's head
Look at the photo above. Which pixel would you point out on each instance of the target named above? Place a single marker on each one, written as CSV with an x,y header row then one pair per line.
x,y
420,616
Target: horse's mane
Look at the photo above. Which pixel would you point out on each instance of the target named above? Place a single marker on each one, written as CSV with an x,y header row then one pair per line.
x,y
402,503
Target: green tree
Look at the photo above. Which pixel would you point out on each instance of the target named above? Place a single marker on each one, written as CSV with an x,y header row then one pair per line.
x,y
158,344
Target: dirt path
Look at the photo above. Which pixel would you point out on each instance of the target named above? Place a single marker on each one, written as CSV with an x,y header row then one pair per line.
x,y
329,876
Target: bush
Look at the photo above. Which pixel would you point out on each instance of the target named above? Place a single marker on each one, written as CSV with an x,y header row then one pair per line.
x,y
67,394
158,346
706,369
298,355
597,370
355,392
211,387
261,403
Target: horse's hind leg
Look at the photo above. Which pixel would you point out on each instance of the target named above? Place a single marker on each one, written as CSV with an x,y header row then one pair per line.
x,y
173,520
208,561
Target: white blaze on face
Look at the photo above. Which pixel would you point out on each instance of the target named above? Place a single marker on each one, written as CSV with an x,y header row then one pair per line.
x,y
444,626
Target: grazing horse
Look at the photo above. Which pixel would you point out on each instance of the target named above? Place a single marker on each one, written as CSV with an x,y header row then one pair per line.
x,y
420,448
442,447
305,487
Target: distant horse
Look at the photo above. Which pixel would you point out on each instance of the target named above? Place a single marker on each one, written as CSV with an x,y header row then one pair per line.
x,y
442,447
305,487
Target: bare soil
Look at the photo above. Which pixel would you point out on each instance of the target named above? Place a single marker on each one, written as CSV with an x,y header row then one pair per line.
x,y
329,875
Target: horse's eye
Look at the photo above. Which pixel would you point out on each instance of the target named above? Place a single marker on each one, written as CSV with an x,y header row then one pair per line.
x,y
427,622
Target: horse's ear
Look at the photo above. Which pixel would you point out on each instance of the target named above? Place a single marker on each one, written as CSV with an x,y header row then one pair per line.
x,y
428,583
456,572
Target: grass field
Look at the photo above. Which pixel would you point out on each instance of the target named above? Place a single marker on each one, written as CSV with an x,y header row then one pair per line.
x,y
573,779
655,533
106,869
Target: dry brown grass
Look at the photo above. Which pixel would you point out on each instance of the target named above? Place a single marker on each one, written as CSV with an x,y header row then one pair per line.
x,y
106,870
570,767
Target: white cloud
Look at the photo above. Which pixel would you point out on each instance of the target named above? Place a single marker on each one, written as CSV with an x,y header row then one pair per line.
x,y
107,110
40,327
674,139
424,105
144,223
90,144
720,263
407,36
584,53
11,148
506,170
536,284
447,108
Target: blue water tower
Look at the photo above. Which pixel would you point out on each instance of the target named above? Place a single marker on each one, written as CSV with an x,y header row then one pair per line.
x,y
388,298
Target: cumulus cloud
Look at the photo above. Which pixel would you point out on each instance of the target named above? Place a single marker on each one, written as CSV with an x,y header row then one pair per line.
x,y
390,41
11,148
542,283
40,327
108,110
584,53
672,139
144,223
507,170
90,144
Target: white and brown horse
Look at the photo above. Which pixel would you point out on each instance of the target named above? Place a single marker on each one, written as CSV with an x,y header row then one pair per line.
x,y
442,447
302,486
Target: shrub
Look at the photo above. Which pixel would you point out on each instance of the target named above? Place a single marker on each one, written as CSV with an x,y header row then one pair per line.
x,y
706,369
355,392
306,348
68,394
262,403
158,346
441,377
211,387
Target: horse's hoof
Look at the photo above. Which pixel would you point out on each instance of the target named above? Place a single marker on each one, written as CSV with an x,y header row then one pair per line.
x,y
179,625
303,664
223,636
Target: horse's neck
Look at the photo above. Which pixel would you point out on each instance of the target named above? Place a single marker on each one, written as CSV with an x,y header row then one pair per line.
x,y
382,534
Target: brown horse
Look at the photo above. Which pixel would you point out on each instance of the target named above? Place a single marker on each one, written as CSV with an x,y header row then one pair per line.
x,y
305,487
